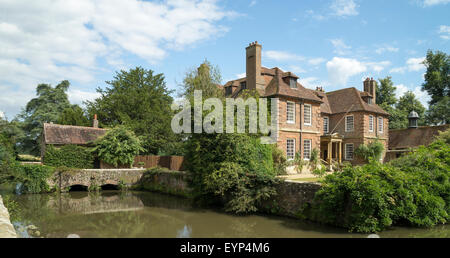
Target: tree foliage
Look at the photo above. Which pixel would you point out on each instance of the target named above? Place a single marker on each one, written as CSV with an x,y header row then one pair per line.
x,y
437,77
386,92
412,190
206,78
70,156
139,99
371,151
407,103
46,107
118,146
73,115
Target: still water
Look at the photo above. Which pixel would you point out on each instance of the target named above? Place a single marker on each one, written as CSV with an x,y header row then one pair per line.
x,y
143,214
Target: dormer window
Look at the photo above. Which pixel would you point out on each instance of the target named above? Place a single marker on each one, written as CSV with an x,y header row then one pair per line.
x,y
293,83
229,90
369,100
243,85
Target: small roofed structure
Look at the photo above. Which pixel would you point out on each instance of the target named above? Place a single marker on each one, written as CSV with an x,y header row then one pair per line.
x,y
403,141
59,135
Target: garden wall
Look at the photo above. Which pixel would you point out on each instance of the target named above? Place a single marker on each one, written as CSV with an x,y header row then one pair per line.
x,y
175,163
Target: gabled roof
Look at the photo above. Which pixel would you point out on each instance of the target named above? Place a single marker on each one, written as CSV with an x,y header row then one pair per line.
x,y
414,137
276,86
68,134
350,100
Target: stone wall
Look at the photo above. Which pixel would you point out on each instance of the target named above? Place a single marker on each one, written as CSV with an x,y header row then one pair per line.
x,y
95,178
165,181
6,228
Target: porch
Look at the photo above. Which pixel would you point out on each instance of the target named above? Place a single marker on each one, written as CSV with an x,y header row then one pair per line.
x,y
331,148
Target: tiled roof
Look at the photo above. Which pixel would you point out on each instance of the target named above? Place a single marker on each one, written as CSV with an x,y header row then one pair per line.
x,y
414,137
349,100
68,134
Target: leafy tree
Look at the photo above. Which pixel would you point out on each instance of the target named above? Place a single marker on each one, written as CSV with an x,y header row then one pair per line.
x,y
371,151
407,103
386,92
118,146
73,115
139,99
46,107
437,77
439,113
206,78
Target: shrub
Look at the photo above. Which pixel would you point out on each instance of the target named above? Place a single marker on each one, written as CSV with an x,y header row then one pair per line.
x,y
118,146
33,178
373,150
413,190
234,170
279,161
71,156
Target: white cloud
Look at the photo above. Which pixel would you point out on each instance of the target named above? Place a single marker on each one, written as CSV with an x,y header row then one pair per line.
x,y
51,40
252,3
340,47
78,96
444,32
316,61
422,96
412,65
341,69
434,2
282,56
241,75
344,8
378,66
296,69
2,115
381,50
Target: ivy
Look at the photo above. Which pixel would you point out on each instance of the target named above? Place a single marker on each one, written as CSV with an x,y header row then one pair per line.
x,y
70,156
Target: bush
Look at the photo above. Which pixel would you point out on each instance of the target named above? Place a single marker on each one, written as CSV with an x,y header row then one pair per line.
x,y
33,178
413,190
373,150
234,170
279,161
118,146
71,156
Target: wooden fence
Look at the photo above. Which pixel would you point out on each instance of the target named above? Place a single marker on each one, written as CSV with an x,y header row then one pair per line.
x,y
171,162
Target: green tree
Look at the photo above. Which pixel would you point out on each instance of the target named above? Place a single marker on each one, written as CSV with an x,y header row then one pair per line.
x,y
407,103
437,77
386,92
439,113
206,78
46,107
118,146
139,99
73,115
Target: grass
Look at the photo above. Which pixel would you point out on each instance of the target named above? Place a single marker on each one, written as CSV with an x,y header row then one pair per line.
x,y
29,158
312,179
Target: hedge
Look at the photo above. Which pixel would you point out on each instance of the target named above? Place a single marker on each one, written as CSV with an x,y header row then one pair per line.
x,y
71,156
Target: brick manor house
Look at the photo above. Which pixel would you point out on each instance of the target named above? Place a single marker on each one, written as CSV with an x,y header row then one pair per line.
x,y
335,123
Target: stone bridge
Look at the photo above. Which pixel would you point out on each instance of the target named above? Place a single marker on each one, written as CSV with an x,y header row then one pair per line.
x,y
95,178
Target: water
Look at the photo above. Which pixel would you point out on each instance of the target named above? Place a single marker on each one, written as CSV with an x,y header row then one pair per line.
x,y
143,214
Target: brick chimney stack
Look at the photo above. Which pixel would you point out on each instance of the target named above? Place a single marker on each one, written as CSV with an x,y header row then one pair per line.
x,y
370,86
253,66
95,124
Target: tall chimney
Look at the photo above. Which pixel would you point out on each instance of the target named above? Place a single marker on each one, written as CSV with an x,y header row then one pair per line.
x,y
95,124
253,66
370,86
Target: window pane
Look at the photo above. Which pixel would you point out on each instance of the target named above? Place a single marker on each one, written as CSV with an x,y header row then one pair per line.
x,y
307,114
371,123
293,83
349,126
380,124
325,124
349,151
306,149
290,112
290,148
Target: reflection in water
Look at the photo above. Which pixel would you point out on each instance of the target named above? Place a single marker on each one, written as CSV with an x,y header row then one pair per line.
x,y
139,214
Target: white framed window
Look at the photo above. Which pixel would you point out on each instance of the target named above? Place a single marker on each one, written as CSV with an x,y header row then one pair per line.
x,y
307,114
307,149
349,151
370,123
290,149
380,125
290,112
326,124
349,123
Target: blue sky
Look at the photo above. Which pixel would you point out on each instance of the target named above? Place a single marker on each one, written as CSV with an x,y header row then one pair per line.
x,y
328,43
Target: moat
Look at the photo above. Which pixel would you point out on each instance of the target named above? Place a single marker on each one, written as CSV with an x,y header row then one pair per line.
x,y
143,214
